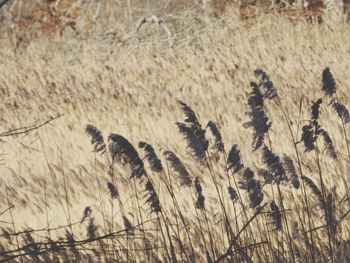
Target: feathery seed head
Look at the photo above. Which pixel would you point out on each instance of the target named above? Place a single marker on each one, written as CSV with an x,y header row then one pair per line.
x,y
96,138
179,168
218,144
328,84
152,158
234,159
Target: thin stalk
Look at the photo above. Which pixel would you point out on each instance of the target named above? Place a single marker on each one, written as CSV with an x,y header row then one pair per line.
x,y
323,190
200,225
344,131
286,222
47,213
12,220
230,185
177,223
53,177
103,208
163,236
301,173
233,242
227,222
176,205
66,193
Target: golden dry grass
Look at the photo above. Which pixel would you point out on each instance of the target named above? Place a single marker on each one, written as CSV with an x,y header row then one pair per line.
x,y
131,88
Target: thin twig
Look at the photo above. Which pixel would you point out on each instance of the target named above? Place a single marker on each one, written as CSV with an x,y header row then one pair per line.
x,y
60,244
3,212
28,129
233,242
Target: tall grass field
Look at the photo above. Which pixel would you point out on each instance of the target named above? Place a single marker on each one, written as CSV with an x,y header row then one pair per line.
x,y
174,131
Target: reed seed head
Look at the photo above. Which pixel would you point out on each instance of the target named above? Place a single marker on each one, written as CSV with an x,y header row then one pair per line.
x,y
218,144
328,84
97,140
179,168
152,158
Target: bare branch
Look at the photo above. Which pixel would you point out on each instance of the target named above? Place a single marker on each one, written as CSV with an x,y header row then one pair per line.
x,y
28,129
151,19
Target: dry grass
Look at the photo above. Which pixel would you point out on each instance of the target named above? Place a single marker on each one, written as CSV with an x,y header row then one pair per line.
x,y
131,88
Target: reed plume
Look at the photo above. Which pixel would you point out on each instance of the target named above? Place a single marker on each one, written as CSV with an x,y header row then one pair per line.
x,y
179,168
193,132
259,122
291,171
267,175
266,84
262,74
152,158
328,84
330,150
122,151
312,131
314,189
234,159
232,194
196,144
113,191
199,193
308,138
274,164
315,110
97,140
152,199
256,196
330,208
330,88
87,212
190,117
218,144
276,216
248,175
256,99
342,111
253,188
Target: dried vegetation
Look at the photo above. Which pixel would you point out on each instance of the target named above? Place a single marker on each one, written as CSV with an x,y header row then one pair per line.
x,y
224,140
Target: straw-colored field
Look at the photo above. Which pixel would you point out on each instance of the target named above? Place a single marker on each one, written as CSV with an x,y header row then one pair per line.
x,y
132,88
